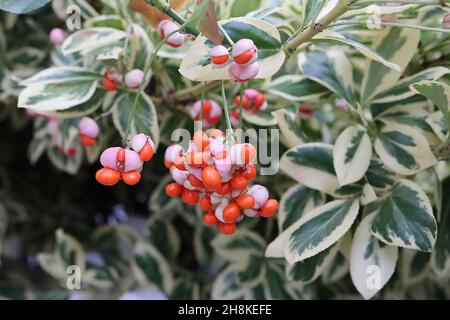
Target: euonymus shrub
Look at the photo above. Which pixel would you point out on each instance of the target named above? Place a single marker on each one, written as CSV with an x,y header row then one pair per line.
x,y
361,102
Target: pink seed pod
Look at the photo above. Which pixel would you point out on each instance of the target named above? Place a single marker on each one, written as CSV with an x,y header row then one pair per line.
x,y
251,213
260,193
234,121
216,146
219,56
239,152
165,28
132,161
341,104
179,176
446,21
88,127
244,52
223,166
108,158
242,74
57,36
251,94
134,78
140,140
219,212
173,152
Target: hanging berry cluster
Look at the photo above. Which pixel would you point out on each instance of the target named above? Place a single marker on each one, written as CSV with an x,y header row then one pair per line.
x,y
124,163
217,176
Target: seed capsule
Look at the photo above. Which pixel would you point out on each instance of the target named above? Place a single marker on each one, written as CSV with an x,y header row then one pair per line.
x,y
165,28
134,78
231,212
245,201
88,130
190,197
243,73
244,52
219,56
211,178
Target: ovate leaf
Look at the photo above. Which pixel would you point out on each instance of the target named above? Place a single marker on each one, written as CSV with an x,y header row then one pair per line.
x,y
351,154
58,96
405,218
371,265
22,6
331,69
90,39
404,150
398,45
320,229
61,74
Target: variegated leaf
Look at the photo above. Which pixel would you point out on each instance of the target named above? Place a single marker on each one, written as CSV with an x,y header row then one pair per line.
x,y
140,48
437,123
331,69
320,229
90,39
164,237
225,285
312,165
380,177
351,154
405,218
328,36
61,75
296,202
196,65
263,118
368,195
22,6
59,96
441,253
336,269
145,118
404,150
295,88
150,267
291,134
401,89
397,45
240,247
368,257
310,269
414,266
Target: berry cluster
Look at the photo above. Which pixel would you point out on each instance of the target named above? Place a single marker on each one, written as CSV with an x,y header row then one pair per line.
x,y
166,27
125,164
244,65
253,101
221,174
212,112
112,79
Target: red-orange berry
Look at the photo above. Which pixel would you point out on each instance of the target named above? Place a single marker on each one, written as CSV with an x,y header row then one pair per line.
x,y
224,188
238,182
227,228
211,177
173,189
205,203
250,172
201,140
248,153
231,212
146,152
194,181
190,197
245,201
269,208
110,85
210,218
86,140
131,178
107,176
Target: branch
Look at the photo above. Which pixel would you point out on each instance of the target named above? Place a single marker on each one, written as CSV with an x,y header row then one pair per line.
x,y
299,38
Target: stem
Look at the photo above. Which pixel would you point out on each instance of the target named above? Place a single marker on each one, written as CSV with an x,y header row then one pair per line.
x,y
141,88
299,38
201,105
241,94
160,5
230,135
225,34
392,24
